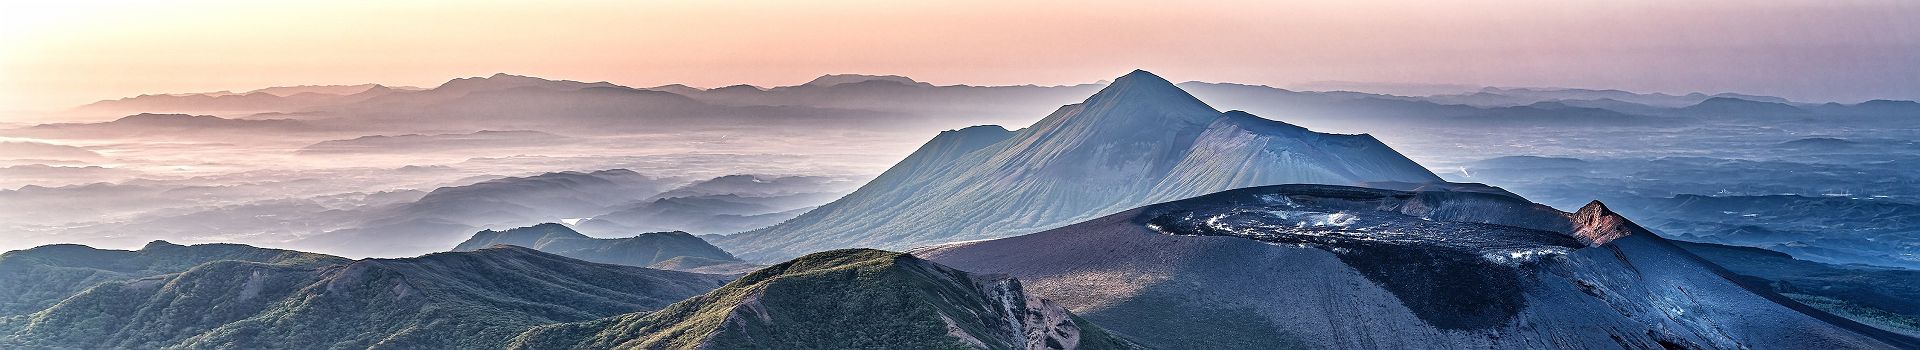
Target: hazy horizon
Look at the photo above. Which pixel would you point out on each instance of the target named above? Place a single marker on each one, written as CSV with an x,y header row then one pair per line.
x,y
58,56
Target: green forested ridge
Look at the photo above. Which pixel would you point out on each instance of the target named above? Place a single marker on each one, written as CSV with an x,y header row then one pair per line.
x,y
842,299
446,300
33,279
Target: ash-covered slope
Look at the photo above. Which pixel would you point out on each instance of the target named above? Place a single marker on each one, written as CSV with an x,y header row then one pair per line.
x,y
34,279
467,300
843,299
641,250
1140,140
1347,267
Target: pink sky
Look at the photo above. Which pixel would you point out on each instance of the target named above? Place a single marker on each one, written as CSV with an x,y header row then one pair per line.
x,y
54,56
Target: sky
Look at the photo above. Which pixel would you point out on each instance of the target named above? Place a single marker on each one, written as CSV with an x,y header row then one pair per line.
x,y
56,55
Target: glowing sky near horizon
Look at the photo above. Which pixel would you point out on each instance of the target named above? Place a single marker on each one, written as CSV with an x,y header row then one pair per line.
x,y
59,54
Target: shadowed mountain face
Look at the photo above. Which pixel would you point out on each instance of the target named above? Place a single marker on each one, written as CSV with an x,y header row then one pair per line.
x,y
642,250
1346,267
843,299
1141,140
447,300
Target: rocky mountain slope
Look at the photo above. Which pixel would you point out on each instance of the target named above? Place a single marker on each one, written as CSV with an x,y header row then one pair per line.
x,y
843,299
1140,140
641,250
446,300
1347,267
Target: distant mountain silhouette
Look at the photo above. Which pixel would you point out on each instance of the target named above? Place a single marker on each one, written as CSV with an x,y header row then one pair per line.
x,y
1735,107
640,250
839,79
168,125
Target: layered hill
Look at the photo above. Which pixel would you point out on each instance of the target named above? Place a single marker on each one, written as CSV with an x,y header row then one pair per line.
x,y
447,300
641,250
268,99
843,299
1140,140
1346,267
169,126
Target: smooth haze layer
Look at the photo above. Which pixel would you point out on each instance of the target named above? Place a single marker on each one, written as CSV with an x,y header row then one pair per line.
x,y
61,54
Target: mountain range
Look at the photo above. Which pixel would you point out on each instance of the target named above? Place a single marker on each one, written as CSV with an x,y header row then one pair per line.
x,y
1140,140
888,102
1141,217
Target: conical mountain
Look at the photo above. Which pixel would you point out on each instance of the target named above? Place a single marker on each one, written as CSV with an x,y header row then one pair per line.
x,y
1141,140
842,299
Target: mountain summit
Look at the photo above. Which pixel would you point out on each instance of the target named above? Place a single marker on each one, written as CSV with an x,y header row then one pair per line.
x,y
1138,141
